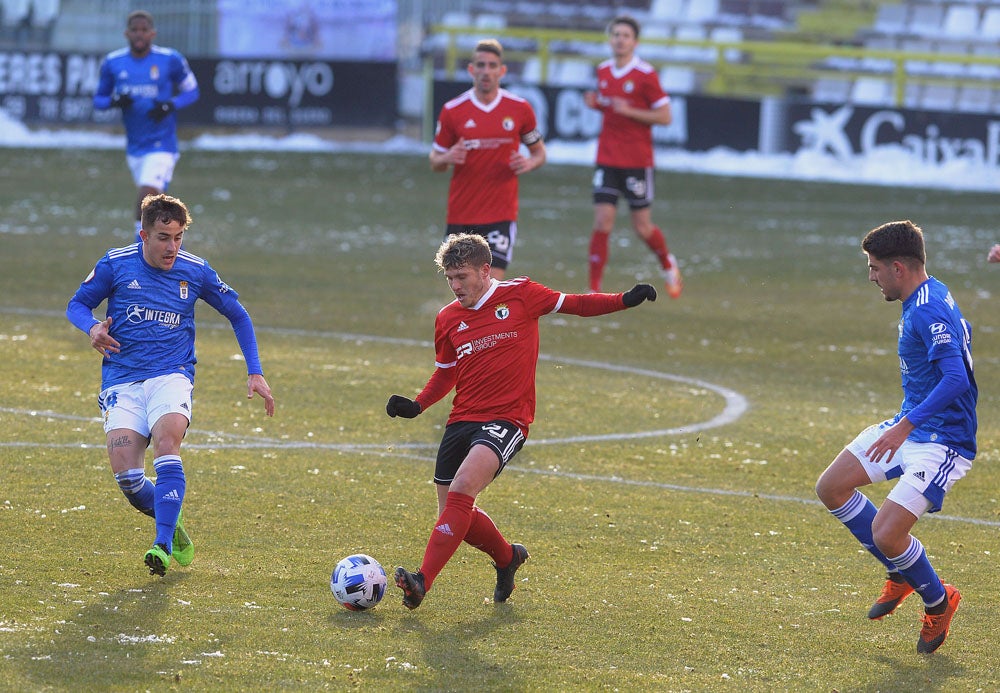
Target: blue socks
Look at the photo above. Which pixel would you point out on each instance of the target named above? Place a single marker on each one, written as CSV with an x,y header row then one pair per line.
x,y
169,494
138,489
916,568
857,514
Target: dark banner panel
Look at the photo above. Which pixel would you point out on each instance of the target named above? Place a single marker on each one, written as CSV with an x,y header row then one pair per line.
x,y
55,88
700,123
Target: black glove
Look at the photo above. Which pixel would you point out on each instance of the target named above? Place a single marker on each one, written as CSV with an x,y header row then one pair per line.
x,y
401,406
121,101
637,294
161,109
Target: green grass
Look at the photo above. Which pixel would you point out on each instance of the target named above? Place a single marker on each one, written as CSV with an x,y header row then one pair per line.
x,y
691,561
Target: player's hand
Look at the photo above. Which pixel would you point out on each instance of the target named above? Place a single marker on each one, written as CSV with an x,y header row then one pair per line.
x,y
637,294
994,254
458,152
256,383
122,101
101,340
401,406
161,109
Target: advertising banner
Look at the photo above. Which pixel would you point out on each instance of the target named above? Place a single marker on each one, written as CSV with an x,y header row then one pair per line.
x,y
699,123
57,88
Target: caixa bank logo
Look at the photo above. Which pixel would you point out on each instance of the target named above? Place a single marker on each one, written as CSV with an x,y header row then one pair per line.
x,y
840,134
275,79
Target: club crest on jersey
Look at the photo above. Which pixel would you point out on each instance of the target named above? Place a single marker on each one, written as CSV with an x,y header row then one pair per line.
x,y
184,289
628,87
508,123
501,311
154,72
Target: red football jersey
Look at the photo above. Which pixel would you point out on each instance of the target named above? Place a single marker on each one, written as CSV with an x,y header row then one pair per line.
x,y
493,349
624,142
483,190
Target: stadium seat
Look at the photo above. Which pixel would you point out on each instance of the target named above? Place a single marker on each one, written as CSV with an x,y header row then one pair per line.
x,y
678,80
872,91
926,20
892,19
572,72
989,28
692,53
831,90
701,11
974,100
939,97
728,34
667,10
961,21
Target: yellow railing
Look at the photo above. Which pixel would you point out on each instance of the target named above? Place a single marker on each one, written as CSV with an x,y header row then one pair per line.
x,y
739,69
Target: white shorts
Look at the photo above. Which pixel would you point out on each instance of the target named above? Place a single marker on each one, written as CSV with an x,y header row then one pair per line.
x,y
153,170
137,406
926,471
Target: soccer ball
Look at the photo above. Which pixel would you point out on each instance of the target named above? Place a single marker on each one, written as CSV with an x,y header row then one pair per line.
x,y
358,582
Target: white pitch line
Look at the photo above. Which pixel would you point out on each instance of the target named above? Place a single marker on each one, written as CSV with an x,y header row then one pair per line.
x,y
736,406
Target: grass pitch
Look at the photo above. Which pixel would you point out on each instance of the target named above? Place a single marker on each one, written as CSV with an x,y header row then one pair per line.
x,y
695,558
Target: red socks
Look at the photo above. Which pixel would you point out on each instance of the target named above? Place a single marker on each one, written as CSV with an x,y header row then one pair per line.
x,y
484,535
448,533
598,258
658,244
459,522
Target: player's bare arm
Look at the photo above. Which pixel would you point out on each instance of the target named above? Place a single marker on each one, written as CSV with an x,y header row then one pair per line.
x,y
454,155
522,164
649,116
256,383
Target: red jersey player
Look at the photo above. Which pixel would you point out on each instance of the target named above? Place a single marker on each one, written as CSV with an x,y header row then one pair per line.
x,y
632,101
486,348
480,134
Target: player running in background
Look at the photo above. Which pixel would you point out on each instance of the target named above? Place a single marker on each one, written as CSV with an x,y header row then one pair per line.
x,y
480,133
486,349
147,372
148,83
927,446
632,101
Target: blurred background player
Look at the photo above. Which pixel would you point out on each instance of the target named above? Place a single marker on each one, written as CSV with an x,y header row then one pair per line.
x,y
927,446
147,372
486,349
480,133
632,101
149,84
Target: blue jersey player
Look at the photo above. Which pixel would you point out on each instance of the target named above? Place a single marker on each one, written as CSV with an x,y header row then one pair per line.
x,y
147,374
927,446
148,83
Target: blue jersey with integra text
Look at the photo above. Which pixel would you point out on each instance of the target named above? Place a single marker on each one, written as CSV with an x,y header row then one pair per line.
x,y
152,313
932,327
156,76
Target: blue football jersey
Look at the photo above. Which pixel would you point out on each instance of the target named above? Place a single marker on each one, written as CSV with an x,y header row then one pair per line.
x,y
153,312
157,76
932,327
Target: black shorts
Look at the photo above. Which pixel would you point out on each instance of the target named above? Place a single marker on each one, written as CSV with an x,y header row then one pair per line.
x,y
636,184
503,437
500,235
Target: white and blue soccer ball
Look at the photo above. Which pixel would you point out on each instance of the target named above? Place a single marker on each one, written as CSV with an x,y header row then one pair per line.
x,y
358,582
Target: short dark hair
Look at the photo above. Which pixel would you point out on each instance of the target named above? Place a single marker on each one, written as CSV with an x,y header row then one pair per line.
x,y
139,14
895,240
625,19
165,209
461,249
490,46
